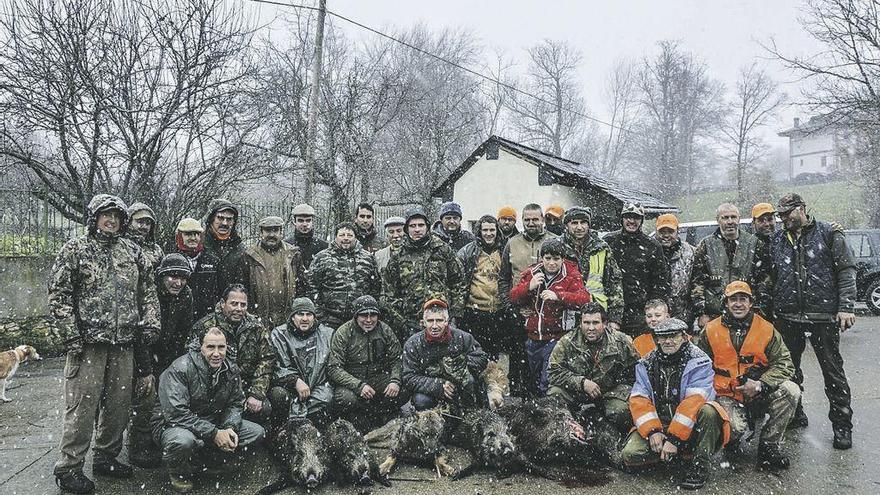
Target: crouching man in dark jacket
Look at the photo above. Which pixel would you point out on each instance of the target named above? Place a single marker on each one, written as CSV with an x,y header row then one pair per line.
x,y
443,363
200,407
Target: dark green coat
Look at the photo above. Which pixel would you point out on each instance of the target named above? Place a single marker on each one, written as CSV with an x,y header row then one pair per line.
x,y
610,363
358,358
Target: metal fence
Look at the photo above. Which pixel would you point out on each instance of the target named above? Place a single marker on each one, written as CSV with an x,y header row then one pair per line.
x,y
32,227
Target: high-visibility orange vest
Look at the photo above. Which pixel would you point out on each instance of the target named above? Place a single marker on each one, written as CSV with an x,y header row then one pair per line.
x,y
728,363
644,344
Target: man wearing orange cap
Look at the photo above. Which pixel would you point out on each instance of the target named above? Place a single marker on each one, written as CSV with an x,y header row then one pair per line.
x,y
443,363
680,256
507,224
753,373
553,219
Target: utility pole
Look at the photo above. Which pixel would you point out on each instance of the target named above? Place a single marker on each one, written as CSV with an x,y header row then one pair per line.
x,y
312,132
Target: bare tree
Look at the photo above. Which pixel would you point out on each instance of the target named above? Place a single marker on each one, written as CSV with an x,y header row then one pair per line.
x,y
755,100
140,98
554,120
621,96
844,81
681,106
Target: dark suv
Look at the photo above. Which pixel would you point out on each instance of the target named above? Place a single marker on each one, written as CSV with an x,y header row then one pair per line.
x,y
865,245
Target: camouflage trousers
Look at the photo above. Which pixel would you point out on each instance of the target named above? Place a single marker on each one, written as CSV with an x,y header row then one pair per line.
x,y
779,408
97,393
706,439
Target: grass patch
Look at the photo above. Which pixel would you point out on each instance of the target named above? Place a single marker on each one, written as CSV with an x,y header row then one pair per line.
x,y
832,201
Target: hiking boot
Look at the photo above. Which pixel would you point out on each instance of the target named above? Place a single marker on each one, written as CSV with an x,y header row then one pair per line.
x,y
694,479
146,459
111,468
799,420
770,458
180,483
842,438
74,482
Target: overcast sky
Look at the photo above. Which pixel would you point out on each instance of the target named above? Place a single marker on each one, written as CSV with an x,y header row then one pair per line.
x,y
725,34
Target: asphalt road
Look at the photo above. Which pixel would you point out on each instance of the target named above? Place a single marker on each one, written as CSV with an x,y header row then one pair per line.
x,y
30,425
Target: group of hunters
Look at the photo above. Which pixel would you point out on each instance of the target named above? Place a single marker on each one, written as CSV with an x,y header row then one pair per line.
x,y
664,350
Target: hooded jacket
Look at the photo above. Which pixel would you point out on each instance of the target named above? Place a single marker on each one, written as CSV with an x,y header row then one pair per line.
x,y
151,249
303,357
421,271
194,397
456,240
520,252
358,358
229,252
609,281
203,282
645,273
101,287
426,365
339,276
546,320
470,255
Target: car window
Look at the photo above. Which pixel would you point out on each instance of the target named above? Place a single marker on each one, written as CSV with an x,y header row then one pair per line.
x,y
861,245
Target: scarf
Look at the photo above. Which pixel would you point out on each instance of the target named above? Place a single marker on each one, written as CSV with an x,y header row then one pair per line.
x,y
185,250
221,237
444,337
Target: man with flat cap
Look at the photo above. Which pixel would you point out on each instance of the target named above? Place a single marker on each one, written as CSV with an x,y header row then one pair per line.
x,y
273,273
364,367
814,294
394,234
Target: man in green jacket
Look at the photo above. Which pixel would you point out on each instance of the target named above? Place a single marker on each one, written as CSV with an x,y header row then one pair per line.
x,y
364,367
249,348
592,369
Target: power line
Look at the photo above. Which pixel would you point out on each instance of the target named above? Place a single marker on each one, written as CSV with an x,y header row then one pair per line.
x,y
445,60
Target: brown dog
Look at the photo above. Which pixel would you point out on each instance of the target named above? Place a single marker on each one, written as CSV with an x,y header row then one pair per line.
x,y
9,361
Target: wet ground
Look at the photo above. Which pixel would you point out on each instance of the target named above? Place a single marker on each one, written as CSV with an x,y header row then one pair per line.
x,y
29,428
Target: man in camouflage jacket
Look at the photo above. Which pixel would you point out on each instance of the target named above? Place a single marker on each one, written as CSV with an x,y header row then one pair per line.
x,y
143,232
424,268
248,348
103,298
341,273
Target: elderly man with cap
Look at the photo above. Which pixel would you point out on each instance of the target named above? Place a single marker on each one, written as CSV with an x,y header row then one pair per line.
x,y
304,233
175,304
673,409
142,230
507,223
223,240
549,292
273,273
341,273
248,343
366,232
300,385
394,233
203,265
448,228
553,219
364,367
425,267
814,294
753,372
443,364
731,253
643,265
680,256
598,267
102,295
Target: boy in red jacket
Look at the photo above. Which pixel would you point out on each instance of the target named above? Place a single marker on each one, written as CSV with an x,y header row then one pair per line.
x,y
550,291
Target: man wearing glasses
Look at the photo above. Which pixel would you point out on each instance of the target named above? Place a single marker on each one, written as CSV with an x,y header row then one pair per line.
x,y
814,294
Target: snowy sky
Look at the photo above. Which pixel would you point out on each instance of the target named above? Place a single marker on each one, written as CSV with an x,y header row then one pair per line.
x,y
725,34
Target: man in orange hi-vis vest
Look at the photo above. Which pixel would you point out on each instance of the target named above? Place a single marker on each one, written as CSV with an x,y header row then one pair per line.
x,y
753,373
672,407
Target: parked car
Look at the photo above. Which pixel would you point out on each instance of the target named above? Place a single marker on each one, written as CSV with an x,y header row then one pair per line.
x,y
865,245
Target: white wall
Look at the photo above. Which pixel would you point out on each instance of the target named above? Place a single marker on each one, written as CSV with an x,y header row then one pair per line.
x,y
807,152
490,184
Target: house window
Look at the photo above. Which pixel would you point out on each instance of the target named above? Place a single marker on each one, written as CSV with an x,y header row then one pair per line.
x,y
824,162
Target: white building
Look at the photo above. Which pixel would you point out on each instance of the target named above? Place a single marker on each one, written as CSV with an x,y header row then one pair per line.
x,y
502,172
816,146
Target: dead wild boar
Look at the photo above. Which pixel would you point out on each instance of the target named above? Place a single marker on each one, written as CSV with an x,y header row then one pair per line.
x,y
416,438
351,460
485,435
546,432
299,448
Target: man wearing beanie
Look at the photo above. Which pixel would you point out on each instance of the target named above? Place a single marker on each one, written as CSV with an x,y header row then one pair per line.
x,y
598,266
645,272
273,273
394,234
680,256
449,228
300,385
553,219
364,367
549,293
424,268
442,364
507,224
203,266
142,231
